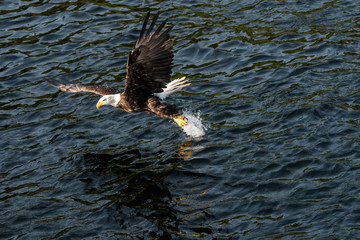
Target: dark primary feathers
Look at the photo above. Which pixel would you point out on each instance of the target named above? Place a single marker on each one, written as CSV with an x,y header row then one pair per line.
x,y
101,90
148,70
150,62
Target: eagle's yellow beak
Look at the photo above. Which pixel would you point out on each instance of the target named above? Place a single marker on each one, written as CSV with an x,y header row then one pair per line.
x,y
99,104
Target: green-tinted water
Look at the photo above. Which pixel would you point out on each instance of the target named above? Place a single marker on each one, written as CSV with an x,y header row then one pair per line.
x,y
277,85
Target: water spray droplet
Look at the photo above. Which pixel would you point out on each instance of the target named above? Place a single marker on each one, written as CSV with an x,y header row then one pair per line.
x,y
195,128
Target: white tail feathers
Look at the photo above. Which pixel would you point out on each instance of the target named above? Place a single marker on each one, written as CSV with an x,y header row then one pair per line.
x,y
173,86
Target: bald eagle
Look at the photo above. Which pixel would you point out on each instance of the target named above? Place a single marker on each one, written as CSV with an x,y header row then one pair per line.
x,y
149,66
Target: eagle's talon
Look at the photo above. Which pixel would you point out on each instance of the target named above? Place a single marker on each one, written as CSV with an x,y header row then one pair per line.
x,y
143,86
181,121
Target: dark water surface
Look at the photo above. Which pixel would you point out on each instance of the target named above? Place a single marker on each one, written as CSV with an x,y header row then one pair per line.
x,y
277,84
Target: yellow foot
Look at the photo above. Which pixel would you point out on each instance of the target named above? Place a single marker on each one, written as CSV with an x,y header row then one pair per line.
x,y
181,121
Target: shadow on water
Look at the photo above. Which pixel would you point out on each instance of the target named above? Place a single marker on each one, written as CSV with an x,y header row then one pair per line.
x,y
139,199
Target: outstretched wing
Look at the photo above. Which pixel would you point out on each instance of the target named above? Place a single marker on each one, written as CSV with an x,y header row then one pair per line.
x,y
150,62
101,90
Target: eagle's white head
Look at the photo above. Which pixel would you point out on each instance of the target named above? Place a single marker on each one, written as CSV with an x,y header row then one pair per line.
x,y
112,99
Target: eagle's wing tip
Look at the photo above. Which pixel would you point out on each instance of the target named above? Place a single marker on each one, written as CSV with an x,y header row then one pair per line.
x,y
52,81
62,86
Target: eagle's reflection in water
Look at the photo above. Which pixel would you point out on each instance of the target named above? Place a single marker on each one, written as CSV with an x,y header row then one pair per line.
x,y
135,186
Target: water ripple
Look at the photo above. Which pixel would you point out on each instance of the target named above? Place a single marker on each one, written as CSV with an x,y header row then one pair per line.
x,y
277,86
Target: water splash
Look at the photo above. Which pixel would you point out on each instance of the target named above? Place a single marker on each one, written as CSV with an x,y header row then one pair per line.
x,y
195,128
